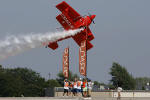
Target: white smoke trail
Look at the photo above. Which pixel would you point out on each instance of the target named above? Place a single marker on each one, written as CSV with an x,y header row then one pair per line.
x,y
13,45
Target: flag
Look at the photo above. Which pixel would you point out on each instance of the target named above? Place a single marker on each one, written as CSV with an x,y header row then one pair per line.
x,y
82,58
66,63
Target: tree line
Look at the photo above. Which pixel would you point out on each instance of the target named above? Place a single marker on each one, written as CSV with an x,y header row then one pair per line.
x,y
122,78
16,82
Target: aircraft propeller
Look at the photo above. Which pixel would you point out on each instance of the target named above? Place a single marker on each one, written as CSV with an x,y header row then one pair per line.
x,y
92,19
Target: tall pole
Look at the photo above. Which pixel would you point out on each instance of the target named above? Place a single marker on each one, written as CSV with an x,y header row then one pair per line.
x,y
49,75
68,61
86,48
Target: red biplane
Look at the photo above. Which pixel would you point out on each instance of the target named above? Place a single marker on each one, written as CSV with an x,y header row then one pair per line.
x,y
70,19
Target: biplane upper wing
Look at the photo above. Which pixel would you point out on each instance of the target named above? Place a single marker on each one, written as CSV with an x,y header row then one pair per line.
x,y
68,16
68,10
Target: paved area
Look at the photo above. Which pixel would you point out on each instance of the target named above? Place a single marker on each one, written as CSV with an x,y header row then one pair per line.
x,y
101,98
67,98
38,98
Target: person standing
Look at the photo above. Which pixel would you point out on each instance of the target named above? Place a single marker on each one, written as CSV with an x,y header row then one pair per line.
x,y
75,87
79,84
66,87
85,85
90,85
69,92
119,89
71,88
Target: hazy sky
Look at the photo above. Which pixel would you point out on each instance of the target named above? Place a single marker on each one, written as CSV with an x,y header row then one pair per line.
x,y
122,34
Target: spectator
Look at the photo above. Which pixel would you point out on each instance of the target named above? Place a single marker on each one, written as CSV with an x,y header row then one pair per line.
x,y
90,85
70,87
119,89
75,87
85,85
66,87
79,84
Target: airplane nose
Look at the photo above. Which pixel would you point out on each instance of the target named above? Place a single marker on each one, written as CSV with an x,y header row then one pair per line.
x,y
93,16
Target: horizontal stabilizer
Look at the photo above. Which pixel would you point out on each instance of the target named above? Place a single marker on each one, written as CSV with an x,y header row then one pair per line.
x,y
53,45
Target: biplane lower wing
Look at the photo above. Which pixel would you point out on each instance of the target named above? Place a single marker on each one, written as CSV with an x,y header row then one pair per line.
x,y
81,37
90,36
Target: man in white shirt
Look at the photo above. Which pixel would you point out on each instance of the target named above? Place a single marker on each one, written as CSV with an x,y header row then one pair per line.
x,y
119,89
90,85
66,87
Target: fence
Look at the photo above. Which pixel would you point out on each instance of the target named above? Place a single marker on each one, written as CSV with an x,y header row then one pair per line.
x,y
109,93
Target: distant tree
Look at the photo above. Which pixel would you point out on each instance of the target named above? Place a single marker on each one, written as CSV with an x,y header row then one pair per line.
x,y
21,81
0,66
10,85
33,83
52,83
141,82
111,86
121,77
1,69
60,77
98,84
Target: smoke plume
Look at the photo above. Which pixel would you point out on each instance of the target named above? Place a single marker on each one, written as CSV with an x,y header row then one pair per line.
x,y
13,45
